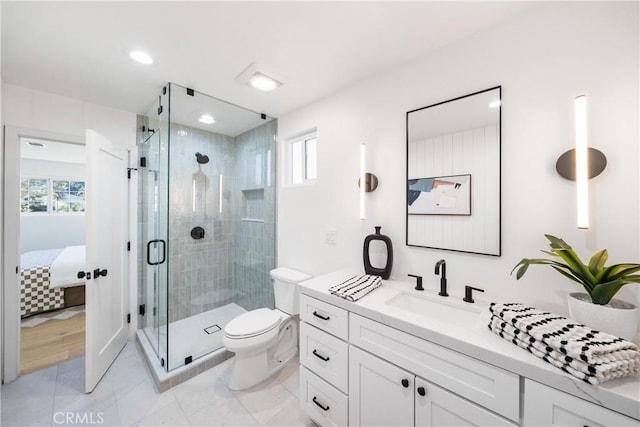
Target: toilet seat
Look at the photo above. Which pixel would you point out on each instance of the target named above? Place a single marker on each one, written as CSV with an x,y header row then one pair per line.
x,y
253,323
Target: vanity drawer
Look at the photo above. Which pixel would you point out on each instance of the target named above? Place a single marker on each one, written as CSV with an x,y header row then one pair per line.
x,y
325,316
324,404
325,355
488,386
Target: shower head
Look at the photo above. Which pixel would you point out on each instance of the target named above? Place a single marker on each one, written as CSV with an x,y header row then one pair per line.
x,y
202,158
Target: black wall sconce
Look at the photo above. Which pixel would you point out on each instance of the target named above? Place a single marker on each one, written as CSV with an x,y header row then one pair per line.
x,y
566,163
370,182
367,182
581,163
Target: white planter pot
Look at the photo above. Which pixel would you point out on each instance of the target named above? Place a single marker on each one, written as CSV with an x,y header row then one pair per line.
x,y
617,318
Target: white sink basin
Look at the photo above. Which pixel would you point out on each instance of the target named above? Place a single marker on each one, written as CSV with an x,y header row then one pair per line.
x,y
438,308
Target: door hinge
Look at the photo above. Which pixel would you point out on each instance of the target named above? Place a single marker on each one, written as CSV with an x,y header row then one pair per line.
x,y
143,162
160,110
190,92
128,246
155,311
129,172
129,318
141,309
188,360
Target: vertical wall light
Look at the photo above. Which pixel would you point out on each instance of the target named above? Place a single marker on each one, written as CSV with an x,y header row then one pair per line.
x,y
582,162
363,171
367,181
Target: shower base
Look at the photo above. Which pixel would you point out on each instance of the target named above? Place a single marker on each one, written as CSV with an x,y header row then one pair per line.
x,y
197,337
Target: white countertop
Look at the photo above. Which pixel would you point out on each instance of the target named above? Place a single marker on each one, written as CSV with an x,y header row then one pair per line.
x,y
621,395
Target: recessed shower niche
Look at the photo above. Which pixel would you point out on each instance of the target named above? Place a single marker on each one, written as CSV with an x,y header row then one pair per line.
x,y
206,222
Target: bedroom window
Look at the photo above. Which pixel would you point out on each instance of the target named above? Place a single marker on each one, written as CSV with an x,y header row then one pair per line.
x,y
41,195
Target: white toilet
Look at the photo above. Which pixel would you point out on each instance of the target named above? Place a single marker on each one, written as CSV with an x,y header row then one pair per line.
x,y
264,340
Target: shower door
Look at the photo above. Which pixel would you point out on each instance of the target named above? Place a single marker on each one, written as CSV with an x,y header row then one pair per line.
x,y
153,176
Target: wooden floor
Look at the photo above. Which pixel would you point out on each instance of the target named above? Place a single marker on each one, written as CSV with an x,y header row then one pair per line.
x,y
51,343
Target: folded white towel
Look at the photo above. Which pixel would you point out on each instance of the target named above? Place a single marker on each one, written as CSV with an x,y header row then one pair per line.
x,y
356,287
566,336
591,373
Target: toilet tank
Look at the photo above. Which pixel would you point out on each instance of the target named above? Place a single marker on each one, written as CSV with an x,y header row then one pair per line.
x,y
285,288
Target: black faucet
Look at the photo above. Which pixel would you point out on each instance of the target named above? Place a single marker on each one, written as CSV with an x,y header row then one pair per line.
x,y
418,282
468,292
443,277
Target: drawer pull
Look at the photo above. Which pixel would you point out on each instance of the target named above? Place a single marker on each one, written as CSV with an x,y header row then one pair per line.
x,y
405,383
422,391
320,316
324,408
319,356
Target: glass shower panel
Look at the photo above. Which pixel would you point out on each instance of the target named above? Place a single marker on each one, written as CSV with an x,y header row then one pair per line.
x,y
218,176
153,174
206,220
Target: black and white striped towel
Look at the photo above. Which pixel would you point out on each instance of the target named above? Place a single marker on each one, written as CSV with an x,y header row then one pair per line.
x,y
565,335
593,374
590,355
356,287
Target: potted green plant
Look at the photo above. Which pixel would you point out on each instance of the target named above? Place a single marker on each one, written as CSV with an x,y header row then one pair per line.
x,y
596,308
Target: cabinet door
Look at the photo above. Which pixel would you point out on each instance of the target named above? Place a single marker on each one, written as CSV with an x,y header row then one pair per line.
x,y
546,406
380,394
438,407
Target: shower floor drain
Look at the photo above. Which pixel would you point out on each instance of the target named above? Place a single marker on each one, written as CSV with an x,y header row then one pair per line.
x,y
212,329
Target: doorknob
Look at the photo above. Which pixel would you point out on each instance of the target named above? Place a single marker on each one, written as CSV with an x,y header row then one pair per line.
x,y
97,273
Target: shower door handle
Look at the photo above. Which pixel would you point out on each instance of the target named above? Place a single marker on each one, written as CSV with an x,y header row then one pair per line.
x,y
164,252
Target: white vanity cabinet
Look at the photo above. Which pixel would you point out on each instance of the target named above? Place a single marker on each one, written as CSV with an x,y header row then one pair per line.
x,y
359,372
381,394
546,406
324,355
485,385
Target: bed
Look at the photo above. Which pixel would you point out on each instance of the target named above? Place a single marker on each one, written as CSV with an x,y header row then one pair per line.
x,y
48,279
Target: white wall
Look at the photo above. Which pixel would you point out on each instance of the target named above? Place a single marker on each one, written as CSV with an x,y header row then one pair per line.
x,y
33,109
542,59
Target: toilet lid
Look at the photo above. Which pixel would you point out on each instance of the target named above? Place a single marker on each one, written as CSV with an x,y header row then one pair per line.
x,y
253,323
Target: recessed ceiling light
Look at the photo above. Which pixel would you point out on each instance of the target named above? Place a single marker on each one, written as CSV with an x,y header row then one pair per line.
x,y
206,119
494,104
141,57
263,82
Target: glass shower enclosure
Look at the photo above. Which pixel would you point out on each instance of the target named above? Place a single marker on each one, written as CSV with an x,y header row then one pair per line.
x,y
206,220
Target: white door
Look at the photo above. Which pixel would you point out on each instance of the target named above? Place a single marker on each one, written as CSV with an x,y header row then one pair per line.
x,y
106,296
438,407
380,394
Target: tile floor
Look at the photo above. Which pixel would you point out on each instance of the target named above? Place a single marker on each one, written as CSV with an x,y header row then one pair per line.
x,y
126,397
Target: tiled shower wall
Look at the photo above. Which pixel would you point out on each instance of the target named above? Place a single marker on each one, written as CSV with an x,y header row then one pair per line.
x,y
200,270
255,225
232,262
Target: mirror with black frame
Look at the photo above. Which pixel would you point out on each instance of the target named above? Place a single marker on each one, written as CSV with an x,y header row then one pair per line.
x,y
453,174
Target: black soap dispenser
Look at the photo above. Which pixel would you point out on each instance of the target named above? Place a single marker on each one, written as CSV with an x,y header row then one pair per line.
x,y
368,268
